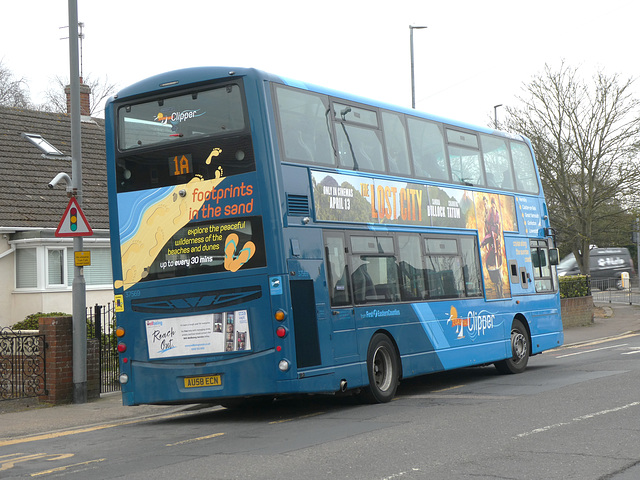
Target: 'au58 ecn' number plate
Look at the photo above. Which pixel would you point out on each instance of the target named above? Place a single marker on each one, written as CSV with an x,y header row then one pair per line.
x,y
203,381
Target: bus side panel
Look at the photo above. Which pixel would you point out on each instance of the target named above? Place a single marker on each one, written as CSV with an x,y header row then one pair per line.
x,y
416,348
437,336
545,323
465,333
546,341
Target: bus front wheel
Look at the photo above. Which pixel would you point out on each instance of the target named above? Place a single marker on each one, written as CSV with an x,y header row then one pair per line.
x,y
383,368
519,350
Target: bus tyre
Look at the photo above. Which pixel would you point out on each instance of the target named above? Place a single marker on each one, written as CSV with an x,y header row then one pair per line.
x,y
383,368
519,348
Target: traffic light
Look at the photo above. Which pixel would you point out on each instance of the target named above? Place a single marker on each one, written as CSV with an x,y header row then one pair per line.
x,y
73,219
73,223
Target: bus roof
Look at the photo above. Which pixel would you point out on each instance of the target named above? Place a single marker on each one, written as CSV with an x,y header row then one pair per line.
x,y
198,75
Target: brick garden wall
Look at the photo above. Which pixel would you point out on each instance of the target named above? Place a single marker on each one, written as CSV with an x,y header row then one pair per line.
x,y
577,311
58,332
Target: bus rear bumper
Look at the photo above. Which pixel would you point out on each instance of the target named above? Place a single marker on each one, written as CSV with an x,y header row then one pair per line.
x,y
198,382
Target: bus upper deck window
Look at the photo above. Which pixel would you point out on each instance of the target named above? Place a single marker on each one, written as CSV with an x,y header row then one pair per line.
x,y
167,119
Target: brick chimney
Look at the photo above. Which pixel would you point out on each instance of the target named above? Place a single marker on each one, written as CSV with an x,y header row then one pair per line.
x,y
85,96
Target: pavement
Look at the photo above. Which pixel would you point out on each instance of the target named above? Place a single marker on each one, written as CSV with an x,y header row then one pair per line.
x,y
26,417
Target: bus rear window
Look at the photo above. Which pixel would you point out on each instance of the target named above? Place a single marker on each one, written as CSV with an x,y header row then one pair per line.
x,y
181,117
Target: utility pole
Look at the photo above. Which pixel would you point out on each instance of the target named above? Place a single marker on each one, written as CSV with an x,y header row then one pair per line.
x,y
637,232
78,287
413,82
495,116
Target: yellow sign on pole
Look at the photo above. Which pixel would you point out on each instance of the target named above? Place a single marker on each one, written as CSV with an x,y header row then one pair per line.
x,y
82,259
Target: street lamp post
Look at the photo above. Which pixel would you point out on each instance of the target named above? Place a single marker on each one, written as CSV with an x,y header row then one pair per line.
x,y
413,84
78,288
495,115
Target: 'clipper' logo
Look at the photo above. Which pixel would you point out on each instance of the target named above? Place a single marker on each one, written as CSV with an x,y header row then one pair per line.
x,y
175,118
459,323
477,323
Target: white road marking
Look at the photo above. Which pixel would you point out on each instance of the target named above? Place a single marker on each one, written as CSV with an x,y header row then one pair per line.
x,y
592,350
577,419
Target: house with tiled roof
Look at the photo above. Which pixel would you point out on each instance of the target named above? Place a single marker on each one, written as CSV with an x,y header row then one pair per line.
x,y
38,267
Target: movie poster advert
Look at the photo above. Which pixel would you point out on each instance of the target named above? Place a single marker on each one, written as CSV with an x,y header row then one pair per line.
x,y
360,199
450,207
491,221
508,209
198,334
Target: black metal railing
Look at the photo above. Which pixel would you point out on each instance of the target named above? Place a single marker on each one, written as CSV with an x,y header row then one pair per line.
x,y
22,364
102,326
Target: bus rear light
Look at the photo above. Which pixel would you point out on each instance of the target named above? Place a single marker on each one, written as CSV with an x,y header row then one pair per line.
x,y
283,365
124,378
122,347
280,315
125,360
119,332
278,348
281,332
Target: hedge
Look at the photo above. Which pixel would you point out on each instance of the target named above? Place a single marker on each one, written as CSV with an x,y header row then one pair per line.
x,y
31,321
575,286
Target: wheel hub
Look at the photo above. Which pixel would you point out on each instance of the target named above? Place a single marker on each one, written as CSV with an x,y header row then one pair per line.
x,y
518,345
382,368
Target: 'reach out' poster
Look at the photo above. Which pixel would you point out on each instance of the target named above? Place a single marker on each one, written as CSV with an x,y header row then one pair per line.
x,y
198,334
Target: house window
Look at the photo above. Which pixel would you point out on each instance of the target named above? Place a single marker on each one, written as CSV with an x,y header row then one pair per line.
x,y
98,273
52,268
42,144
26,268
55,267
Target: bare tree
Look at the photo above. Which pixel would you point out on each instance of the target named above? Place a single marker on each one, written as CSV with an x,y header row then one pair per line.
x,y
56,99
13,91
586,139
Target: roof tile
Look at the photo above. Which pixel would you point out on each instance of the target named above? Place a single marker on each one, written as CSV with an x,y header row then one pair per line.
x,y
25,200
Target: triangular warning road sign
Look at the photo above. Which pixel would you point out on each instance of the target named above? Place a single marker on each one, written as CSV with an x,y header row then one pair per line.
x,y
73,223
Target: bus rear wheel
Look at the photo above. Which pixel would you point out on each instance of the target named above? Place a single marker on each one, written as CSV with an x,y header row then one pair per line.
x,y
519,350
383,367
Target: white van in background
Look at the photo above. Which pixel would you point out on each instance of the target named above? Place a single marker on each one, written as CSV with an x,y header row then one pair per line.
x,y
606,266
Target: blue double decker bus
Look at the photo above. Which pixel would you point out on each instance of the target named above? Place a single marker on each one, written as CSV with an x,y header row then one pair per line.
x,y
270,237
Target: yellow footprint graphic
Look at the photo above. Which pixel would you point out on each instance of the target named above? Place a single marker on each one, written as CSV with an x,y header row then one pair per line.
x,y
214,153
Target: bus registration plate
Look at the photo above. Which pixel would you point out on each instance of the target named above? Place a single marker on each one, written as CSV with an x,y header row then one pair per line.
x,y
203,381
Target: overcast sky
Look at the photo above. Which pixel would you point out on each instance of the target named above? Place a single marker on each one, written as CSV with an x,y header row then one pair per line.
x,y
472,56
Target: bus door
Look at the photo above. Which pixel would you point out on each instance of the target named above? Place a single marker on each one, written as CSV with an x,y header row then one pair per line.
x,y
343,322
520,268
309,303
530,262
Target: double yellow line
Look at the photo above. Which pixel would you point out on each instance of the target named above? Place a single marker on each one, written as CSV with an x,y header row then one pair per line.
x,y
93,428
